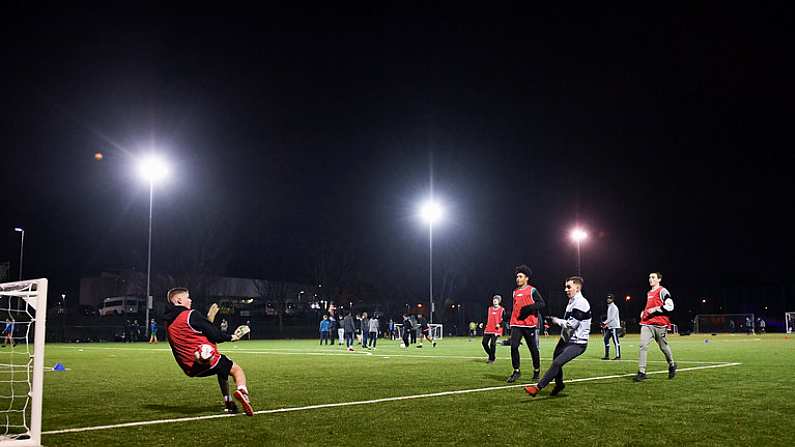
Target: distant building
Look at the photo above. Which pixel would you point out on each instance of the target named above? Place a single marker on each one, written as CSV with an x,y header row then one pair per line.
x,y
244,297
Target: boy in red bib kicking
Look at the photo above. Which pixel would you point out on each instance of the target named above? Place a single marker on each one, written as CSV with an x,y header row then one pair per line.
x,y
193,341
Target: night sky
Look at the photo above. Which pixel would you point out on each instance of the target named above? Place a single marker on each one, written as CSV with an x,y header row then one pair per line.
x,y
299,134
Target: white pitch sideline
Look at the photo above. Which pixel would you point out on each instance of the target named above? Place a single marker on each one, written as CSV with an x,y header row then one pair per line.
x,y
358,402
380,354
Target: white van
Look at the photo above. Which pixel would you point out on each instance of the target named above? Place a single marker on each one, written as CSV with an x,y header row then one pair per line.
x,y
119,305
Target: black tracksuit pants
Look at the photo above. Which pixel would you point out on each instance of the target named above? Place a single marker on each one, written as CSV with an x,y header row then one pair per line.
x,y
490,345
529,335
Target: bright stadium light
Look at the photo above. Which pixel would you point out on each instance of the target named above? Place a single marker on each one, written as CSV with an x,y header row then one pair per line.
x,y
431,212
152,168
578,235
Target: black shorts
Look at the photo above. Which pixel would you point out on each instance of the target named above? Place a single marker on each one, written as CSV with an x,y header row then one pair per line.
x,y
222,368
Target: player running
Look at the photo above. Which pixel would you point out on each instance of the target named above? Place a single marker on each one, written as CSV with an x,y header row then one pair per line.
x,y
493,329
524,320
188,332
654,324
425,331
575,328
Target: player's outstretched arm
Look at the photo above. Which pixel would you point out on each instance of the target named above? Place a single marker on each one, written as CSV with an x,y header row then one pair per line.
x,y
203,325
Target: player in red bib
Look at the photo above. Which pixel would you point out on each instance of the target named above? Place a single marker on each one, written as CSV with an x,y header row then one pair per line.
x,y
193,341
493,328
527,302
654,324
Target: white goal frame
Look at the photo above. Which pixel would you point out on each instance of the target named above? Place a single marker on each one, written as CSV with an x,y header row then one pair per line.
x,y
437,331
738,328
789,322
34,292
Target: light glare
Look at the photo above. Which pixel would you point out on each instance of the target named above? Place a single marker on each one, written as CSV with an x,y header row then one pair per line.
x,y
152,168
431,212
578,235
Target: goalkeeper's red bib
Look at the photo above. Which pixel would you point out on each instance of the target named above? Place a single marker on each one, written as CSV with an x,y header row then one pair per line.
x,y
185,341
521,298
654,299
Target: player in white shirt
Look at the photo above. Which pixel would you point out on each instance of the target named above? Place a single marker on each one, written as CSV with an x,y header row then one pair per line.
x,y
611,326
575,331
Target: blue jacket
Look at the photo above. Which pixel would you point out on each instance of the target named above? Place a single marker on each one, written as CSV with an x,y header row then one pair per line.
x,y
324,325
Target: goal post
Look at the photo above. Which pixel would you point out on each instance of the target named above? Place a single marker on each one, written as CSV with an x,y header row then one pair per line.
x,y
23,311
789,322
724,323
437,331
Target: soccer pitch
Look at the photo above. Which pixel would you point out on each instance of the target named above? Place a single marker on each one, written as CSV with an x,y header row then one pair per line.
x,y
731,390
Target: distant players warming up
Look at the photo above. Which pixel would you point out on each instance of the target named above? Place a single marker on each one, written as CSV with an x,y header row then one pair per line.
x,y
524,321
654,324
611,326
574,333
493,328
193,341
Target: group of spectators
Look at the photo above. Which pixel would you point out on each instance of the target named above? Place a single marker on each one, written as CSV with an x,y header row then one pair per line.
x,y
350,330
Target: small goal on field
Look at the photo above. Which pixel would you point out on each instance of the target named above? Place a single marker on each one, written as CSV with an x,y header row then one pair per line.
x,y
437,331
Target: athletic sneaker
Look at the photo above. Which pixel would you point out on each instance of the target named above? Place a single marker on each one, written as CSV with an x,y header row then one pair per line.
x,y
419,346
558,388
617,358
605,358
672,371
242,397
514,377
489,362
350,349
640,377
536,375
434,344
532,390
231,408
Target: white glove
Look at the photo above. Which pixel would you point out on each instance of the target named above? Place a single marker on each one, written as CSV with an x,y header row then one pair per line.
x,y
212,312
558,321
240,332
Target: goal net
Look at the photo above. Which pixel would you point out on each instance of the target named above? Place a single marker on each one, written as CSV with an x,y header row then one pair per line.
x,y
22,361
724,323
437,331
789,322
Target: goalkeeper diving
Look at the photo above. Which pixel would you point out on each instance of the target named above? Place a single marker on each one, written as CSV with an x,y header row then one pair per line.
x,y
193,339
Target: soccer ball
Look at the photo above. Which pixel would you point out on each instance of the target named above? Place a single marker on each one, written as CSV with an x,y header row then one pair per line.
x,y
204,354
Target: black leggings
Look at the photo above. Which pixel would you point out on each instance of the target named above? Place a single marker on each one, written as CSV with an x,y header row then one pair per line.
x,y
564,353
529,335
490,345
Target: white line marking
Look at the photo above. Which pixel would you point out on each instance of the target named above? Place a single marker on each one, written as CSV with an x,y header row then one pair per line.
x,y
358,402
283,351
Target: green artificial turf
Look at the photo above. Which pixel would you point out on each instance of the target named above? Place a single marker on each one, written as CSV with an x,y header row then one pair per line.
x,y
752,403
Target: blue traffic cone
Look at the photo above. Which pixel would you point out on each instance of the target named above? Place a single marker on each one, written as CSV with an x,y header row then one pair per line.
x,y
59,367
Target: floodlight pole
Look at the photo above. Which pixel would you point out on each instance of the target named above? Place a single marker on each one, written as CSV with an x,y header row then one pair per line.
x,y
149,256
21,250
579,259
430,281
